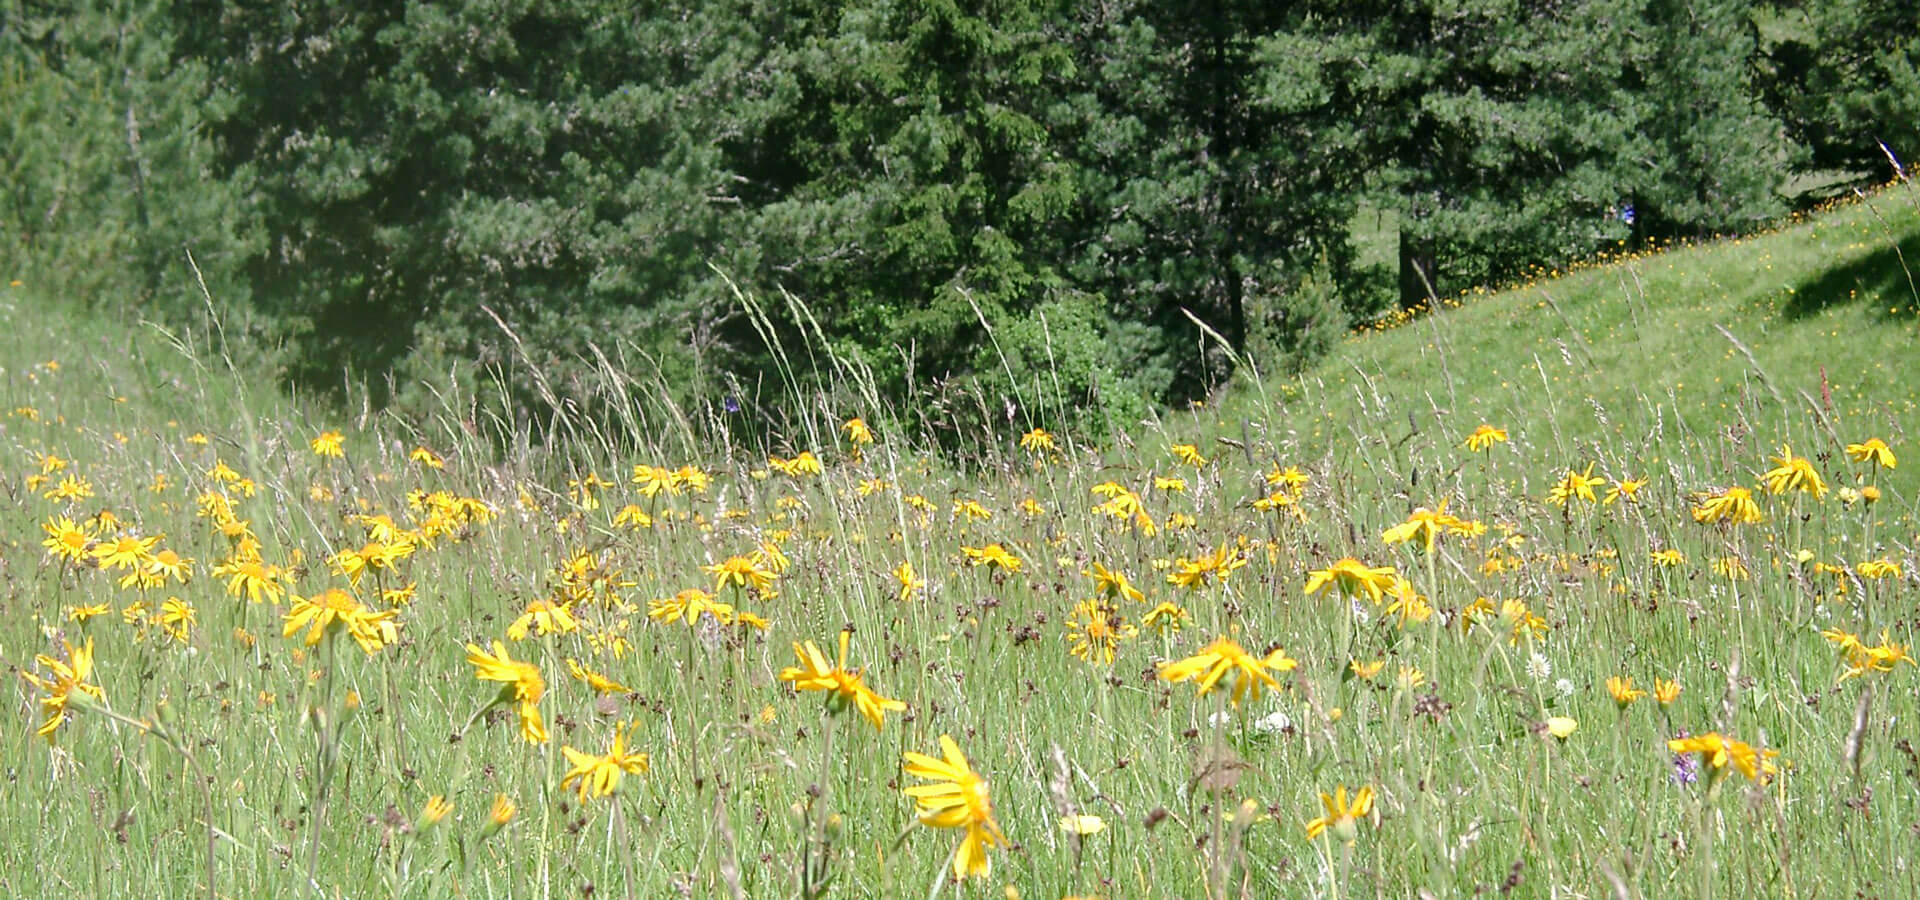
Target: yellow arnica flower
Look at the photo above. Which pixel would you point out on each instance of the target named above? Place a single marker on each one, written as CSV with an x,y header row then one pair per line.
x,y
1665,692
1353,578
543,617
66,679
600,684
910,582
842,685
1794,473
1095,630
334,609
1483,438
992,555
744,571
1426,525
1735,505
1873,450
956,797
1627,489
1165,617
1112,584
1342,816
329,444
1189,454
1717,751
857,431
65,540
520,682
1225,660
427,458
1876,569
1623,691
599,776
1575,485
1037,441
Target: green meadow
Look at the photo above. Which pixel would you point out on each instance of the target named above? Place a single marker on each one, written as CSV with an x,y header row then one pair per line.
x,y
1647,637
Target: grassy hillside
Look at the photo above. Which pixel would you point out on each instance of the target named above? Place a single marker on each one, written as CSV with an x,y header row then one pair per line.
x,y
259,634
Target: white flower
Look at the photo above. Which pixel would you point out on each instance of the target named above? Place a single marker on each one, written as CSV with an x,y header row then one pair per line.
x,y
1361,614
1539,668
1273,724
1564,686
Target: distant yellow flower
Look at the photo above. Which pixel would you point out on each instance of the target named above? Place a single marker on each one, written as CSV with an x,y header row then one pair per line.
x,y
857,431
599,776
252,579
1873,450
1189,454
632,516
1484,437
1288,479
543,617
124,552
843,686
1562,727
743,571
1194,574
1575,485
1876,569
804,464
1342,817
176,619
436,810
1165,618
520,682
1665,692
427,458
1038,441
498,815
971,509
600,684
1793,473
1735,505
1082,825
334,610
71,487
1224,658
1623,691
992,555
910,582
1627,489
1353,578
1426,525
1366,670
1668,558
1113,584
329,445
65,681
689,606
65,540
956,797
1094,631
82,613
1170,484
1718,751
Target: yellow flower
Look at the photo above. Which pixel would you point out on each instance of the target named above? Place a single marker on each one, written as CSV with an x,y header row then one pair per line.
x,y
1668,558
1718,751
1793,473
1165,618
1876,569
1082,825
1366,670
1735,505
1037,441
804,464
1113,584
992,555
843,686
65,540
1189,454
600,684
1562,727
176,618
910,582
1353,578
1873,450
599,776
1665,692
1170,484
124,552
970,509
1194,574
498,815
1224,658
520,682
956,797
1288,479
71,487
689,606
1426,525
1623,691
1484,437
328,445
543,617
1574,485
1095,630
857,431
252,579
334,609
436,810
744,571
1342,817
67,679
632,516
1627,489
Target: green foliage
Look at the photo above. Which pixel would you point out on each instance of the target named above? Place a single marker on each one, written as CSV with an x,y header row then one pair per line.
x,y
1844,75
